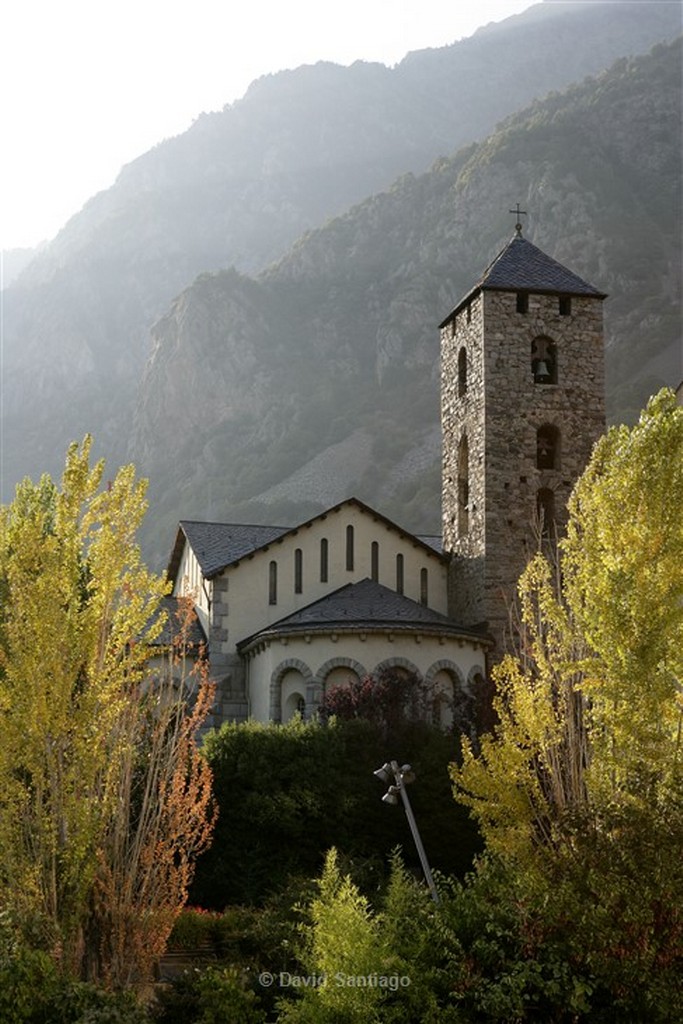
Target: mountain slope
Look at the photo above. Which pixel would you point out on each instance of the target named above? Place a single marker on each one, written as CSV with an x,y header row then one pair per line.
x,y
240,186
255,384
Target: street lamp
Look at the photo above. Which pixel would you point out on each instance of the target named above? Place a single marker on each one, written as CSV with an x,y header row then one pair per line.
x,y
401,778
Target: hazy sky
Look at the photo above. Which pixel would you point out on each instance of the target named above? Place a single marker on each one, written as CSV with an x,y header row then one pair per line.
x,y
88,85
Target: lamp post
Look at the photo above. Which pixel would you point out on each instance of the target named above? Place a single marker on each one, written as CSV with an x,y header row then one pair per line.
x,y
402,776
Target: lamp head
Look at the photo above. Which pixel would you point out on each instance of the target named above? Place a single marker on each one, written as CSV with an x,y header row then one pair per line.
x,y
384,774
390,797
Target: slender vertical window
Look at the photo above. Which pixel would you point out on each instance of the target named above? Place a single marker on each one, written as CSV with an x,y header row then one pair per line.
x,y
272,583
323,560
565,305
399,574
424,586
462,372
548,447
545,507
522,302
463,488
349,548
298,571
374,561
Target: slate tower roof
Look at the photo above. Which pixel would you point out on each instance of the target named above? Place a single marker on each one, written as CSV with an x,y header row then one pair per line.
x,y
522,266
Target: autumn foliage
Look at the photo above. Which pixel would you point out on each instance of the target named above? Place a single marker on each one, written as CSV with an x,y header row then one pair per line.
x,y
104,798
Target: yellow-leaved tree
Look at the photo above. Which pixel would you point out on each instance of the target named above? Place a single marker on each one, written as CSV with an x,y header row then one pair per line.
x,y
104,798
590,709
579,787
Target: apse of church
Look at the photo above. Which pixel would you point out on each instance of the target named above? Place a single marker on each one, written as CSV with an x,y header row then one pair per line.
x,y
522,404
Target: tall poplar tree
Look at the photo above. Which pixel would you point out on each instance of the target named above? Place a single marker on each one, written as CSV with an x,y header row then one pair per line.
x,y
578,791
78,614
590,711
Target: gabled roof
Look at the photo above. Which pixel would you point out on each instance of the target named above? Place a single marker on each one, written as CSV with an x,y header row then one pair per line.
x,y
432,541
364,605
219,545
522,266
175,624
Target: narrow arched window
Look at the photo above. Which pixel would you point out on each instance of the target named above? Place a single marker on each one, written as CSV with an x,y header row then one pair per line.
x,y
462,372
349,548
374,561
324,569
298,571
399,574
463,488
272,583
548,447
424,586
544,361
545,508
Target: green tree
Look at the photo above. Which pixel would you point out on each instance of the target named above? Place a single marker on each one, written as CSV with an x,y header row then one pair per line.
x,y
578,790
622,571
590,711
79,613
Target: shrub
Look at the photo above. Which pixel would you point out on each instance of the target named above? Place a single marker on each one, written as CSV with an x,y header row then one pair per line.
x,y
194,927
217,995
287,793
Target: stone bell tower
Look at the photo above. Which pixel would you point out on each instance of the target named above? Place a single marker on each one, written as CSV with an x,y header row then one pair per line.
x,y
522,404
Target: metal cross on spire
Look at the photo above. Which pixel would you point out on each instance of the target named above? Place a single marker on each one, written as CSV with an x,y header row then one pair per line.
x,y
519,213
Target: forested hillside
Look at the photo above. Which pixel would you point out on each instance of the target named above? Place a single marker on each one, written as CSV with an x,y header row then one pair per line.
x,y
242,185
269,397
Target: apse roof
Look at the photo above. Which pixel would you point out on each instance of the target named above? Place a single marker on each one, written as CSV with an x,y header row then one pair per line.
x,y
364,605
522,266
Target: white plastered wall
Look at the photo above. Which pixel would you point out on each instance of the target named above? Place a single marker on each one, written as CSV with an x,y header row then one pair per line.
x,y
306,662
249,610
190,581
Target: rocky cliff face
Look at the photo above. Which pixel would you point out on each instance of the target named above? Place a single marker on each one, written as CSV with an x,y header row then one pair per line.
x,y
335,348
241,185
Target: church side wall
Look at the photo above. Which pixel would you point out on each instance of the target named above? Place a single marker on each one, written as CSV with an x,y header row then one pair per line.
x,y
190,582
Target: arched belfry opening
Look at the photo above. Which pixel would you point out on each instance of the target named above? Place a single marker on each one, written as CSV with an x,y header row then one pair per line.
x,y
544,360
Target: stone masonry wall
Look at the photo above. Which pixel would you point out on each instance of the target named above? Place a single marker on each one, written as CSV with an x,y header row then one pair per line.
x,y
227,669
501,413
462,415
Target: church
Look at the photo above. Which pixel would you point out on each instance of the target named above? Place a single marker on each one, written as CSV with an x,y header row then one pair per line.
x,y
290,612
